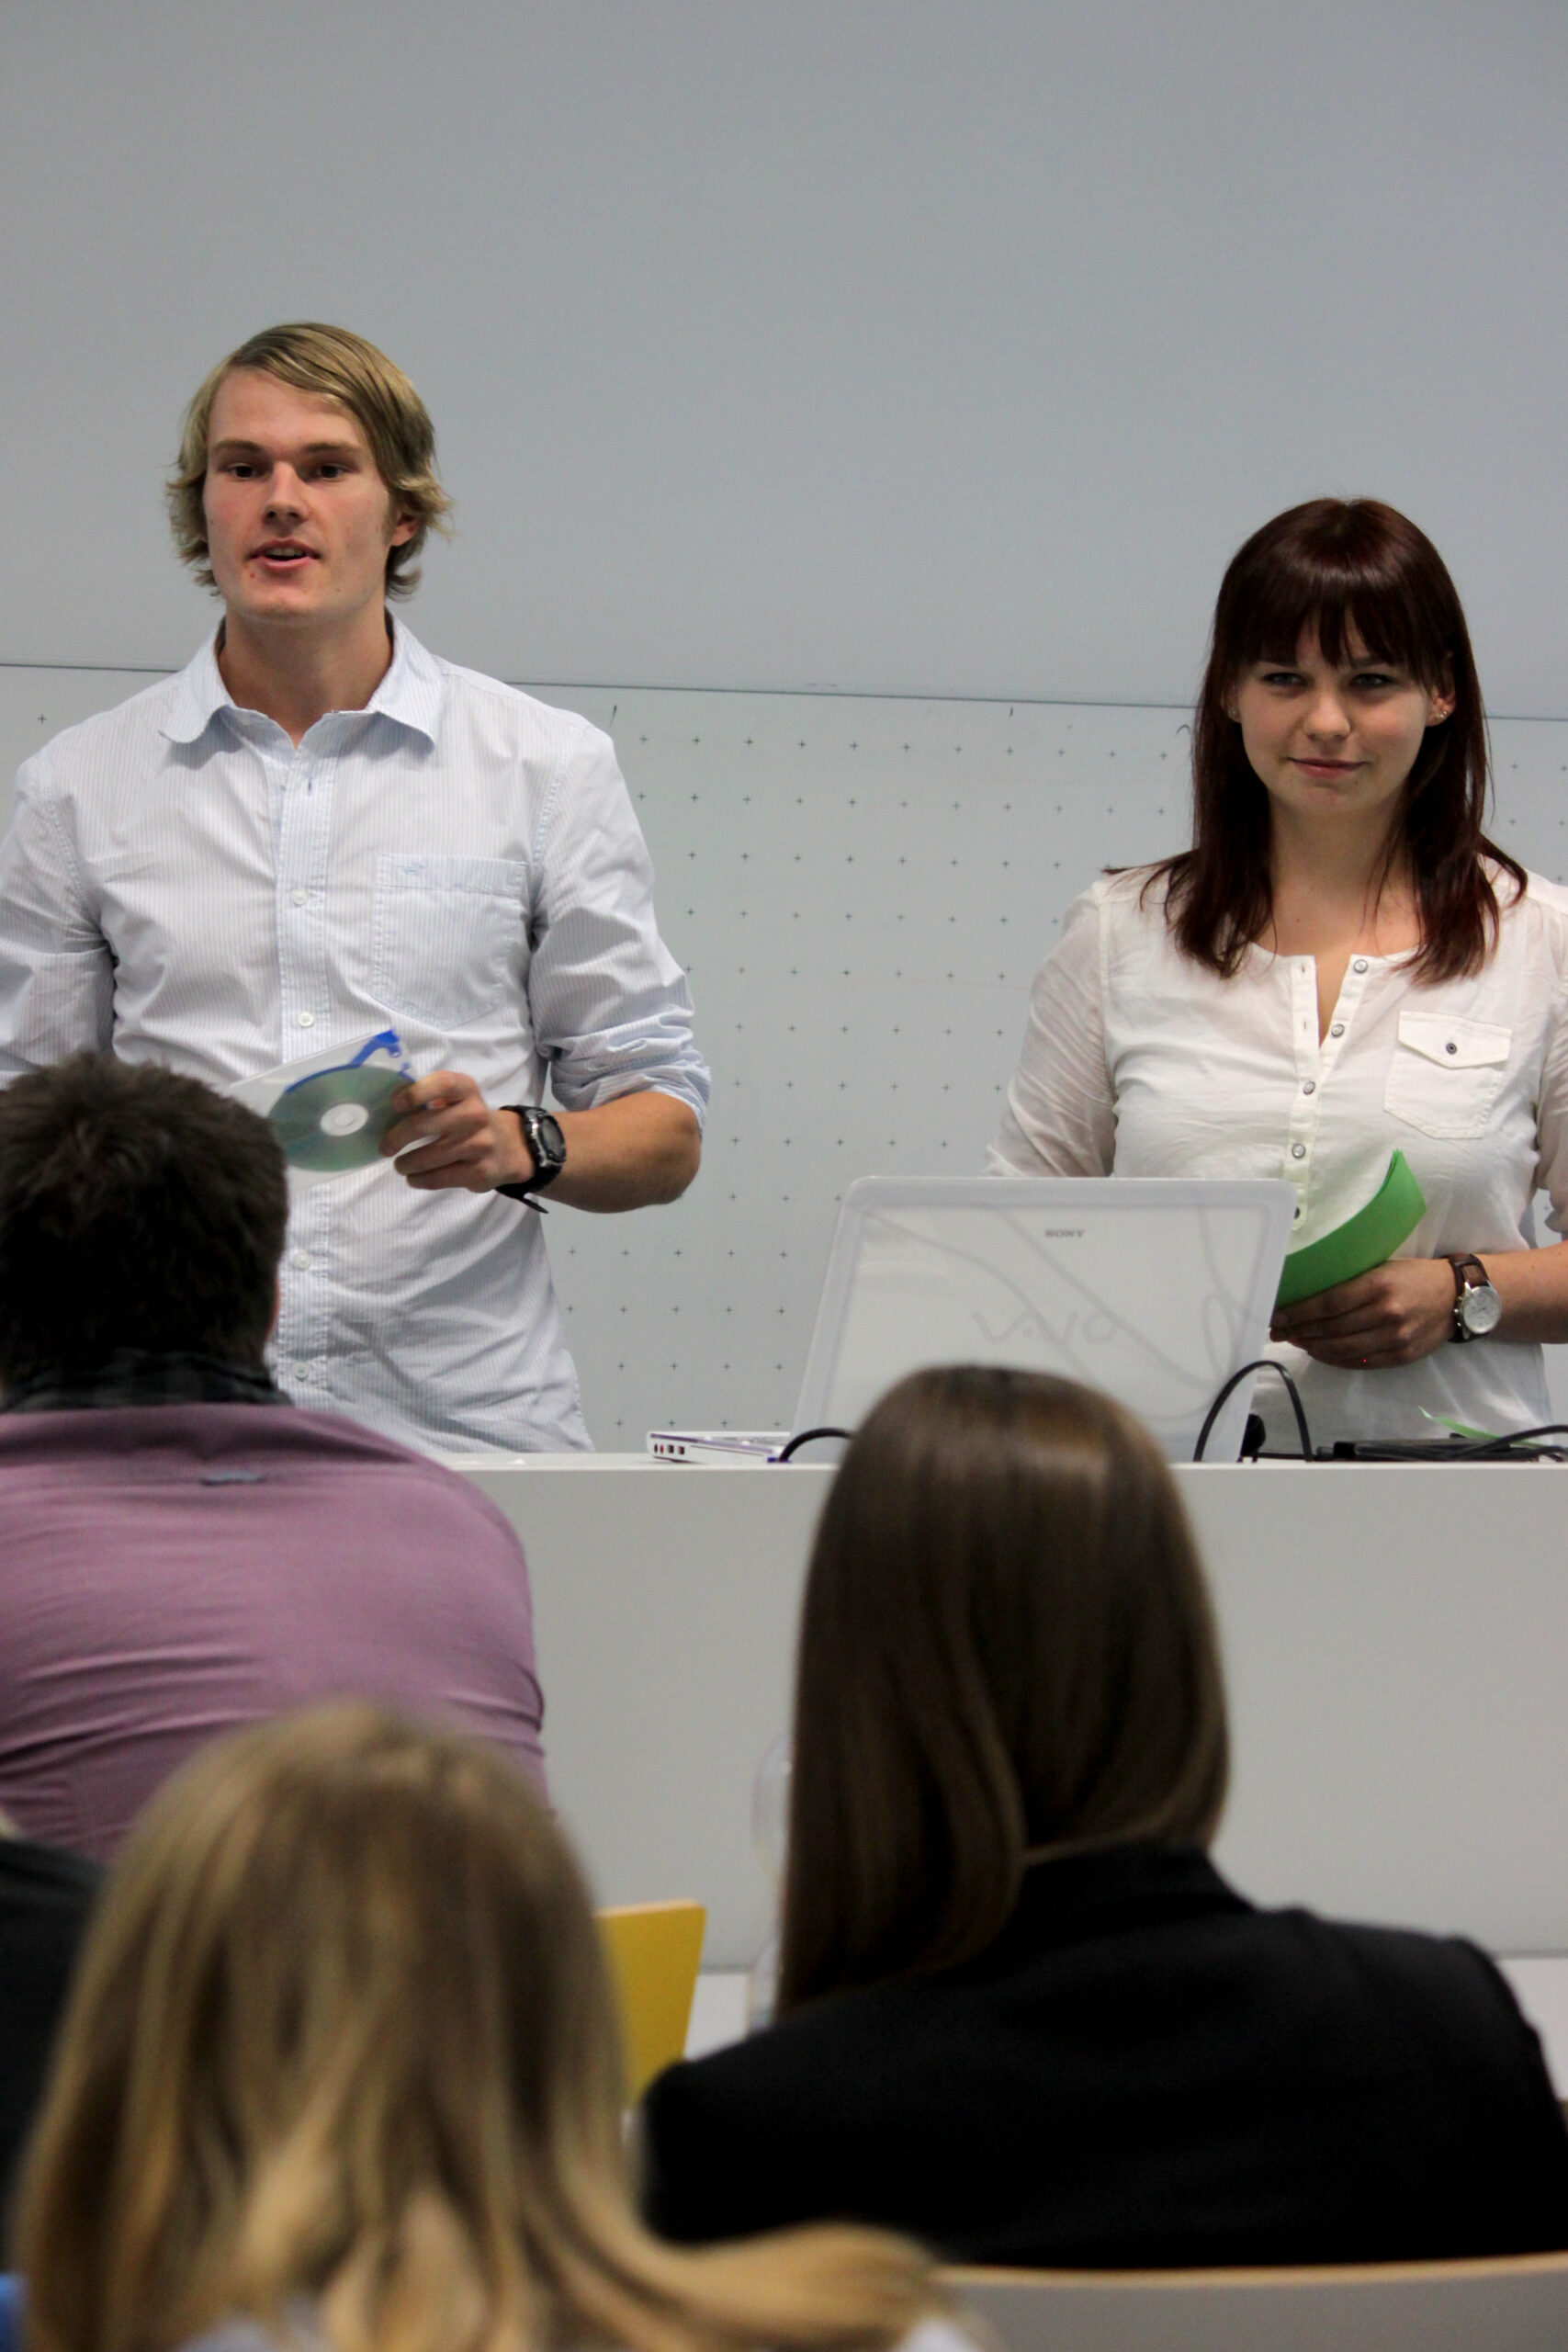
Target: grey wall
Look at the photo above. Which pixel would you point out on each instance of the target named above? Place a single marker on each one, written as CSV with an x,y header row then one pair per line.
x,y
941,346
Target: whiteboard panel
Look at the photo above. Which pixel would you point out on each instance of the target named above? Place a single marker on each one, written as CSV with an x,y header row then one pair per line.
x,y
860,888
36,704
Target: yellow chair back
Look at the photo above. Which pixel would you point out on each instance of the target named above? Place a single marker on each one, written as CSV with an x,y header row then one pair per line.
x,y
655,1950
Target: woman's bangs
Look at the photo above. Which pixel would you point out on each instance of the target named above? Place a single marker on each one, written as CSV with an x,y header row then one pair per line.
x,y
1376,622
1352,620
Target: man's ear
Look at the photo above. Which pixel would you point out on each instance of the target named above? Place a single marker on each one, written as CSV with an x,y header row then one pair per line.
x,y
402,530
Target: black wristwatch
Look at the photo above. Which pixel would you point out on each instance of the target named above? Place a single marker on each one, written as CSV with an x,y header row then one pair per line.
x,y
547,1146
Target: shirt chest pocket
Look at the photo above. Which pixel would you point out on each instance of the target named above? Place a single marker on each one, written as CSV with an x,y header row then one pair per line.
x,y
1446,1075
448,936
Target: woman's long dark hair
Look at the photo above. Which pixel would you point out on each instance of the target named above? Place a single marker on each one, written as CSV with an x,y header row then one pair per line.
x,y
1006,1645
1341,569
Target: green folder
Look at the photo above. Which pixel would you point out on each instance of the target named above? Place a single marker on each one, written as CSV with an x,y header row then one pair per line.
x,y
1367,1239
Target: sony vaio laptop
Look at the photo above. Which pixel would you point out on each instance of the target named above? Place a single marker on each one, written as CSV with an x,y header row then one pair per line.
x,y
1155,1290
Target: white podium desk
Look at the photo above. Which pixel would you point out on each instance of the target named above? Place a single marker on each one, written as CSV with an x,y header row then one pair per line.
x,y
1395,1643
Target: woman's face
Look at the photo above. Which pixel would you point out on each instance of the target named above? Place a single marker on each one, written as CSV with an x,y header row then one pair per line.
x,y
1334,742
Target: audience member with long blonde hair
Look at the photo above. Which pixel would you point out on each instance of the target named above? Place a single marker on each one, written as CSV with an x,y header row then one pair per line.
x,y
341,2064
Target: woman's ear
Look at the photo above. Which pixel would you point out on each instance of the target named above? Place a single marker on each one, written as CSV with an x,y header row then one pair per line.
x,y
1442,699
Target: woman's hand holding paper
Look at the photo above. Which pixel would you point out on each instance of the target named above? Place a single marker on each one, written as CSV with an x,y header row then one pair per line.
x,y
1395,1314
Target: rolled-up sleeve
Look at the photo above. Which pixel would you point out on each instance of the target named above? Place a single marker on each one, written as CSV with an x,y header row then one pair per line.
x,y
610,1006
1060,1118
56,973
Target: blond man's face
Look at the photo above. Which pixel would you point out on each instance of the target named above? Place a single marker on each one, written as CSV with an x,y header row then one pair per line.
x,y
298,520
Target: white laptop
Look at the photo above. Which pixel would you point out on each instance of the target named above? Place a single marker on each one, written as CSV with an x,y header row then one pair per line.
x,y
1153,1289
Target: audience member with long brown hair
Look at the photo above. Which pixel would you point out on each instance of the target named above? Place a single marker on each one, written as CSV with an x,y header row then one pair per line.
x,y
1342,963
340,2067
1022,2015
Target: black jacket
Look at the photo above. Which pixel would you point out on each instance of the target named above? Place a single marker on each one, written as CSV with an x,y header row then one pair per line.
x,y
1142,2072
46,1897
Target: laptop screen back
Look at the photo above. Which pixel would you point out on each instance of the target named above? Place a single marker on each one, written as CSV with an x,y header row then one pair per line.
x,y
1152,1290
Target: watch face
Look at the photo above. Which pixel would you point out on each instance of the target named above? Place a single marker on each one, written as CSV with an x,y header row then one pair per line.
x,y
1481,1310
550,1134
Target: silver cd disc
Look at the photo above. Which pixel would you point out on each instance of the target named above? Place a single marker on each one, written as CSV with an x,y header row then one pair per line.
x,y
336,1119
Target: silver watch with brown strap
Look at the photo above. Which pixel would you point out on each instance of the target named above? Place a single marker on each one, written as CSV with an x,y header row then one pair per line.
x,y
1477,1307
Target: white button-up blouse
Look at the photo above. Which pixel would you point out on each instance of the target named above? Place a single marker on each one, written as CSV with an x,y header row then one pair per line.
x,y
1138,1061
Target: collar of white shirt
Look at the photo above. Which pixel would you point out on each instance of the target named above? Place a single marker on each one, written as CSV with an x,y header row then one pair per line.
x,y
410,695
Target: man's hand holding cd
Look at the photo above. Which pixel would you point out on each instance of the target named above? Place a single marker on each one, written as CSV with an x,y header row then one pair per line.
x,y
462,1144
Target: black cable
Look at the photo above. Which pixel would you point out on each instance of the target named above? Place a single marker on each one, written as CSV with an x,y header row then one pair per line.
x,y
1477,1449
804,1437
1259,1364
1460,1450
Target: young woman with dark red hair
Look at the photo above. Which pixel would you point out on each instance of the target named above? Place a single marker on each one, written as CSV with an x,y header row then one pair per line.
x,y
1341,963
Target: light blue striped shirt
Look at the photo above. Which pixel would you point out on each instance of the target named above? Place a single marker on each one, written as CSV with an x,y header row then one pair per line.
x,y
183,884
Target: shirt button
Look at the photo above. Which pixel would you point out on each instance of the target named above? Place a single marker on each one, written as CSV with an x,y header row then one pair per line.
x,y
1337,1030
307,1021
1359,965
1299,1214
301,898
301,1259
1298,1151
1451,1047
1309,1086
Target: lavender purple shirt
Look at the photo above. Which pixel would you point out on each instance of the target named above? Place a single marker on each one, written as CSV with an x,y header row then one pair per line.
x,y
169,1572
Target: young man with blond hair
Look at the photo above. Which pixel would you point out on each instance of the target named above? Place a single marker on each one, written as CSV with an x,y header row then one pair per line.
x,y
318,830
